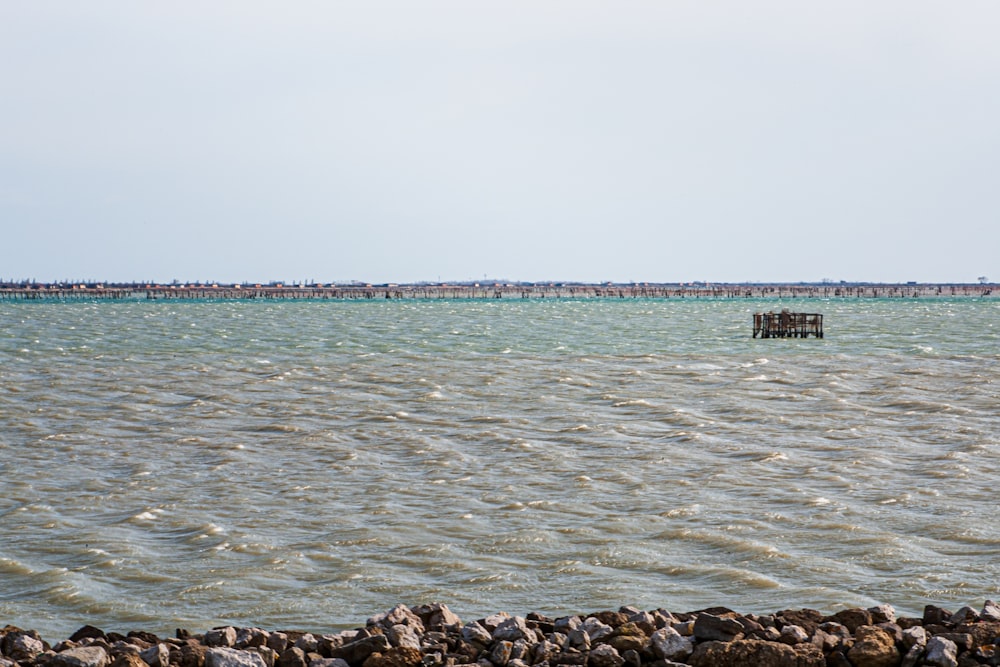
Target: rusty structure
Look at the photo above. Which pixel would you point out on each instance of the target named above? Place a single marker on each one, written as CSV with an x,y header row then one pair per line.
x,y
787,325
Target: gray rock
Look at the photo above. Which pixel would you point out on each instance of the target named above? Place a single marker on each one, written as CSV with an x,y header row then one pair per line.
x,y
579,639
912,657
512,629
398,615
292,657
604,655
500,655
6,662
83,656
251,638
596,629
990,612
23,647
308,643
941,653
964,615
328,662
883,613
224,637
668,644
567,624
403,635
792,635
277,642
156,656
915,636
474,633
715,628
357,652
874,647
223,656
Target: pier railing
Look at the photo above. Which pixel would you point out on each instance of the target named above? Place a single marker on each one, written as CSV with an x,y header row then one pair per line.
x,y
787,325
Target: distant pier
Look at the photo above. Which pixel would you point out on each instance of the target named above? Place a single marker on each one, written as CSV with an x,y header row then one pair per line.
x,y
787,325
356,291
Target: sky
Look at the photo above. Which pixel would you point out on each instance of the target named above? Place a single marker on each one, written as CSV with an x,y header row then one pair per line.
x,y
535,140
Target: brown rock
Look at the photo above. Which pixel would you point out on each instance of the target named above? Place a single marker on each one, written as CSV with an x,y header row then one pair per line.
x,y
612,618
934,615
358,651
87,632
292,657
708,627
128,660
397,656
873,647
852,619
755,653
983,633
807,619
191,654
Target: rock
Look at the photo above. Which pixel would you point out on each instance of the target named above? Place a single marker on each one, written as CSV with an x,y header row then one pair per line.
x,y
436,616
605,655
512,629
474,633
308,643
83,656
882,613
668,644
128,660
964,615
578,639
403,635
612,618
87,632
156,656
941,652
873,647
934,615
755,653
545,651
981,633
852,619
223,656
251,638
596,629
22,646
714,628
277,642
566,624
224,637
292,657
190,654
500,655
356,652
397,656
807,619
398,615
990,612
792,635
328,662
914,637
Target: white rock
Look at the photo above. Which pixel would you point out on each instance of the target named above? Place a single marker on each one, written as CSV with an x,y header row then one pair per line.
x,y
668,644
156,656
230,657
941,652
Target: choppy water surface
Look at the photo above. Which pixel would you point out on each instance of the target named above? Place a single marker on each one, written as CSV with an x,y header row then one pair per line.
x,y
306,464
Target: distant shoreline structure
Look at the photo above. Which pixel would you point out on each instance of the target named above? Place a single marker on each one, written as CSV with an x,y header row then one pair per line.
x,y
488,290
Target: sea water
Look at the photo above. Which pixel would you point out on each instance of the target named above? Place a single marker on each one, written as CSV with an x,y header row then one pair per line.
x,y
305,464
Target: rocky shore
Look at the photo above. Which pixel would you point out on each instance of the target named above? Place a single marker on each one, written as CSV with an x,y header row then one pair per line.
x,y
433,636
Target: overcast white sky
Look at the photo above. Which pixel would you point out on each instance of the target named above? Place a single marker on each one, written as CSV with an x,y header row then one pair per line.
x,y
390,141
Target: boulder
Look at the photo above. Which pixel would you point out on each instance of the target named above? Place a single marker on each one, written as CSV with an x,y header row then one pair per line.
x,y
398,615
82,656
715,628
22,646
513,628
223,656
990,612
223,637
356,652
941,652
852,619
128,660
403,635
873,647
605,655
156,656
755,653
668,644
397,656
292,657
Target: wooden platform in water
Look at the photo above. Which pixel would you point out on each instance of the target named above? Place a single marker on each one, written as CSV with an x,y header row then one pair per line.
x,y
787,325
